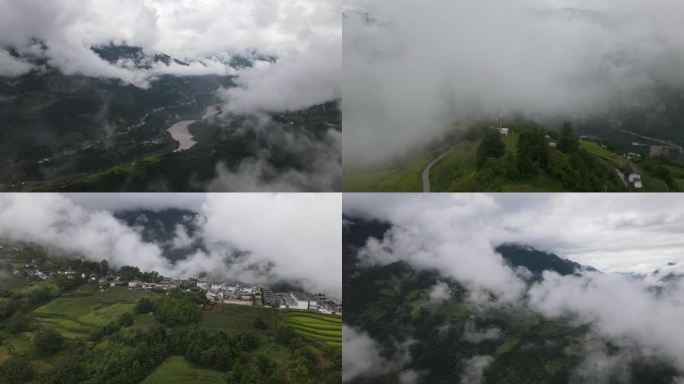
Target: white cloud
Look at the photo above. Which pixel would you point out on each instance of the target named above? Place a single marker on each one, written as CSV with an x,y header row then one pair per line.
x,y
473,371
439,292
618,308
414,68
305,36
11,66
298,241
616,233
360,355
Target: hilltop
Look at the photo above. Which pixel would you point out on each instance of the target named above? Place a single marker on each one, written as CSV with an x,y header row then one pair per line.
x,y
527,156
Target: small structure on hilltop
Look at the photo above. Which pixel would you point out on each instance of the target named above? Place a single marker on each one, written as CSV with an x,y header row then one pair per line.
x,y
503,131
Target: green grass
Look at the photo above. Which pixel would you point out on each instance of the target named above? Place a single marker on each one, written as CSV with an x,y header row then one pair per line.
x,y
33,285
509,343
17,343
326,329
10,282
176,369
406,177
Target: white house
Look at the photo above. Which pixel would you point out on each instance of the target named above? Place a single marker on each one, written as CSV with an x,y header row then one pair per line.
x,y
503,131
634,177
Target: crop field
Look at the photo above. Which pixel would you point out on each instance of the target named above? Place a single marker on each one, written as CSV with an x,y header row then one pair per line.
x,y
326,329
80,313
177,370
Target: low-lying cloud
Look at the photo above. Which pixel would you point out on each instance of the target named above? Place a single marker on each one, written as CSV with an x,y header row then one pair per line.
x,y
413,68
303,35
298,242
318,165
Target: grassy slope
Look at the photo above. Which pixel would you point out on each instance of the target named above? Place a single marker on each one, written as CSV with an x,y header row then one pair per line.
x,y
403,178
456,172
651,183
178,370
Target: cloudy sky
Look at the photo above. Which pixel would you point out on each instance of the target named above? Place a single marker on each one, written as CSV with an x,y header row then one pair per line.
x,y
611,232
455,234
305,36
412,68
299,235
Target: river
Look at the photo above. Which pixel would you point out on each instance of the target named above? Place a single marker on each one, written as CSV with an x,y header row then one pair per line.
x,y
179,131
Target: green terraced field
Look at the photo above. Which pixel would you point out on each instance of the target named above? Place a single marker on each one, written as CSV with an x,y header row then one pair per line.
x,y
177,370
326,329
84,311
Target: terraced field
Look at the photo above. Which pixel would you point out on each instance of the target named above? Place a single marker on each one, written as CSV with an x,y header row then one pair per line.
x,y
82,312
326,329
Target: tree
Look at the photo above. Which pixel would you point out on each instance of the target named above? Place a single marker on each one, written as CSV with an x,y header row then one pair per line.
x,y
176,310
69,283
533,153
568,141
126,319
491,146
104,267
127,273
19,322
260,324
47,341
143,305
16,370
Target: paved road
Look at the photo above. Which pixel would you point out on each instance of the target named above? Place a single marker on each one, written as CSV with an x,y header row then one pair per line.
x,y
426,173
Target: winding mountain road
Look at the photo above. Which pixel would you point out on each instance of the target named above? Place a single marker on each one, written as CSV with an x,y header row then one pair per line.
x,y
426,172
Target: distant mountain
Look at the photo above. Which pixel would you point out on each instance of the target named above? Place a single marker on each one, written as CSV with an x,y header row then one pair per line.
x,y
145,60
536,261
115,53
162,227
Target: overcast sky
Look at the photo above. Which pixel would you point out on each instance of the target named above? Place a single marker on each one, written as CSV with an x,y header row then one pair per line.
x,y
305,36
289,237
412,68
611,232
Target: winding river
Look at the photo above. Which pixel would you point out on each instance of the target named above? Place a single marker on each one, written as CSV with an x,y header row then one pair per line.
x,y
180,132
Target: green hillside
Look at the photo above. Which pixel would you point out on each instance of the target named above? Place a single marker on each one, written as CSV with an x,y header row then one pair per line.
x,y
62,330
536,167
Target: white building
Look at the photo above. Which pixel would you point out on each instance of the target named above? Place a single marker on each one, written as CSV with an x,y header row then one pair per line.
x,y
503,131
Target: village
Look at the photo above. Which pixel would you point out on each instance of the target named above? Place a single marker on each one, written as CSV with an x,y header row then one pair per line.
x,y
235,293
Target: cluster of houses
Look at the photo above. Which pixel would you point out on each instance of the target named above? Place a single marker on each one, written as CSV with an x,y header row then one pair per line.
x,y
33,270
237,293
302,301
250,294
164,285
631,177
